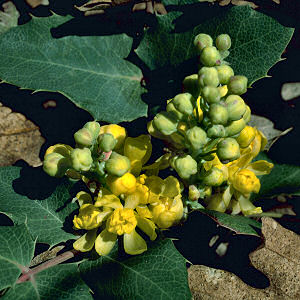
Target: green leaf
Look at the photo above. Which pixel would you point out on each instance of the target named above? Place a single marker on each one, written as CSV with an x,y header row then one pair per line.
x,y
238,224
44,217
282,179
257,41
90,70
59,282
159,273
16,251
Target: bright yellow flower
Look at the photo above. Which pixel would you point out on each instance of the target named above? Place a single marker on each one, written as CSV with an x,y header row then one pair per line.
x,y
246,182
125,184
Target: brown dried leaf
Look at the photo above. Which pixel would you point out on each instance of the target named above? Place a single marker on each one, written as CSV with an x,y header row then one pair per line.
x,y
19,139
278,259
36,3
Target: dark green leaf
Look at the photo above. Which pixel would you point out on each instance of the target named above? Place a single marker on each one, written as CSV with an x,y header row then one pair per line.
x,y
159,273
89,70
44,218
238,224
59,282
16,251
257,41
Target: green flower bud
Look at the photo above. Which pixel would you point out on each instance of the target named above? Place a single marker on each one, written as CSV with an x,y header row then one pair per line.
x,y
184,103
216,131
191,85
218,113
93,127
81,159
235,127
206,122
165,122
196,137
106,142
223,42
237,85
236,107
228,149
171,108
202,40
208,76
247,114
211,94
117,164
225,72
213,177
56,164
194,193
185,166
83,137
210,56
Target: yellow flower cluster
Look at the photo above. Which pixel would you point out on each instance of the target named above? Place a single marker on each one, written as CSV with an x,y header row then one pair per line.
x,y
128,202
241,175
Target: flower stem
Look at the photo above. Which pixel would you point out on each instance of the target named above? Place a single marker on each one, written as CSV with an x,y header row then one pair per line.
x,y
48,264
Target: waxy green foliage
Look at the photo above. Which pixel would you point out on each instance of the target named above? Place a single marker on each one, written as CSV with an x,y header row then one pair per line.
x,y
90,70
158,273
45,218
257,41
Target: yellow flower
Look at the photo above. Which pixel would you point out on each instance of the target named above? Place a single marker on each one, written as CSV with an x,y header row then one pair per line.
x,y
117,131
246,182
125,184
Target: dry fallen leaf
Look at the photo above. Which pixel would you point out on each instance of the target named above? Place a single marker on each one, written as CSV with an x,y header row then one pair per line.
x,y
8,17
278,260
19,139
36,3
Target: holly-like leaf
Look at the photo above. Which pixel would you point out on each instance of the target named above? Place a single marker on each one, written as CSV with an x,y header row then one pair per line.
x,y
16,251
59,282
238,224
45,217
257,41
283,178
159,273
90,70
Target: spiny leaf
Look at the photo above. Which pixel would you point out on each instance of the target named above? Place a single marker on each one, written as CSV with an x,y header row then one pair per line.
x,y
45,217
90,70
159,273
257,41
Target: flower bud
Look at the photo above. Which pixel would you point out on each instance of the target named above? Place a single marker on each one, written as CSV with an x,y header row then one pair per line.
x,y
185,166
224,72
213,177
165,122
191,85
172,109
210,56
223,42
93,127
62,149
194,193
218,113
56,164
201,41
223,90
211,94
196,137
247,114
117,131
246,136
236,107
153,131
237,85
235,127
246,182
208,76
184,103
81,159
83,137
117,164
106,142
206,122
228,149
125,184
216,131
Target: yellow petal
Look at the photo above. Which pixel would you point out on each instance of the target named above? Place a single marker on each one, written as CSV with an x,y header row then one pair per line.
x,y
107,199
86,242
215,202
84,198
161,163
172,187
143,211
155,184
260,167
247,206
117,131
105,241
226,197
147,226
134,244
135,167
